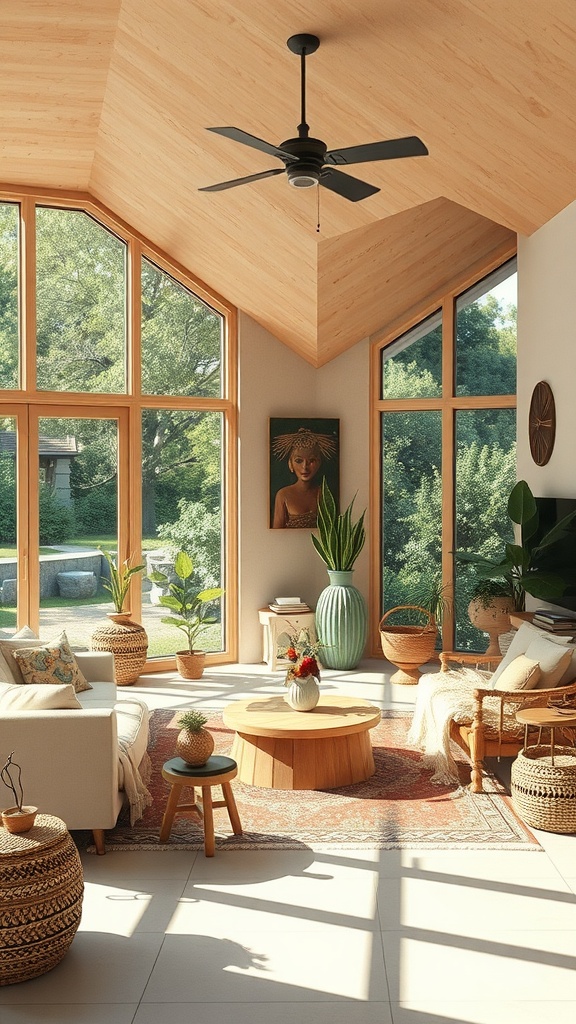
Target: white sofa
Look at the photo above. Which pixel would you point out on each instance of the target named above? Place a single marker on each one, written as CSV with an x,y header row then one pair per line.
x,y
75,760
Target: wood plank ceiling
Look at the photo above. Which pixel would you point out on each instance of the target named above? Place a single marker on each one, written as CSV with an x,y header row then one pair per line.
x,y
113,98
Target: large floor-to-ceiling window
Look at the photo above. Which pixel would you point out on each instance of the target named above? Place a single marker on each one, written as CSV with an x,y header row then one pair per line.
x,y
117,424
447,439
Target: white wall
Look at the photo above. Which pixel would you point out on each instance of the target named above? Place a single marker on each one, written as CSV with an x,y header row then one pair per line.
x,y
273,381
547,347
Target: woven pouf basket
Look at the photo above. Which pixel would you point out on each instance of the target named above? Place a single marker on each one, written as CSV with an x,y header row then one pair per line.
x,y
544,794
127,641
408,647
41,889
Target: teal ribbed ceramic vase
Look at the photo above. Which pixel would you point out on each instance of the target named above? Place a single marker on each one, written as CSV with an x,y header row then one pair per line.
x,y
341,622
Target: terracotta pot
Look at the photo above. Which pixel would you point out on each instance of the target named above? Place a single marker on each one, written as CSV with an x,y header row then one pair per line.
x,y
493,619
15,820
194,747
190,666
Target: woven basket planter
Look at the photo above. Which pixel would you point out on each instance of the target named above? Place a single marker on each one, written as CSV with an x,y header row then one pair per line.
x,y
544,794
41,889
127,641
408,647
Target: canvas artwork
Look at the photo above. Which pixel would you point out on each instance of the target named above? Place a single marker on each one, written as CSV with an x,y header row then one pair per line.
x,y
302,453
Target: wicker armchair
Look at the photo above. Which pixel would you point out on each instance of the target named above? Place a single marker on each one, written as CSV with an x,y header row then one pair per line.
x,y
480,739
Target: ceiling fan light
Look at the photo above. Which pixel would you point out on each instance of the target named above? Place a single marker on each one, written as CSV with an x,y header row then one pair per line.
x,y
303,176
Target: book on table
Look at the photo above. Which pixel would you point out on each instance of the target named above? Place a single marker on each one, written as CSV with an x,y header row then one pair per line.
x,y
546,615
289,609
288,600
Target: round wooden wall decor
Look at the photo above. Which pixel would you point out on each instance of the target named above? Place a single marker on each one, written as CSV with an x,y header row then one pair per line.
x,y
542,423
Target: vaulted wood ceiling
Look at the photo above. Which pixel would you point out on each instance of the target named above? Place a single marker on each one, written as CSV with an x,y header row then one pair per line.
x,y
113,98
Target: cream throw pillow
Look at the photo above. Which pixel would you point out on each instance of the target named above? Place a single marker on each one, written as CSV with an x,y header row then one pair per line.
x,y
521,674
553,659
519,645
14,697
52,663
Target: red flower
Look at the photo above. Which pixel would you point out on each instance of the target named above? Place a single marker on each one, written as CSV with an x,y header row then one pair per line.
x,y
307,667
291,654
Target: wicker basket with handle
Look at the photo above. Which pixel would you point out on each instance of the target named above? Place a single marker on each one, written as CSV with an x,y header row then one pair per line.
x,y
408,647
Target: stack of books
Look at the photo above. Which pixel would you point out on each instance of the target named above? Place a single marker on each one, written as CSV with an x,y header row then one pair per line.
x,y
555,622
288,606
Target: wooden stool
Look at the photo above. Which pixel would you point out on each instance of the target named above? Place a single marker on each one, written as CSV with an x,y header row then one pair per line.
x,y
218,771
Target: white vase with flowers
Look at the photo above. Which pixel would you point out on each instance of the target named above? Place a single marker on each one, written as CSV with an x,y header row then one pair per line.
x,y
303,675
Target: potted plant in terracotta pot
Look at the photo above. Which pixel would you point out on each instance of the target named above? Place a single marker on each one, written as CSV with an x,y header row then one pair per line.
x,y
126,639
190,612
194,743
489,610
20,817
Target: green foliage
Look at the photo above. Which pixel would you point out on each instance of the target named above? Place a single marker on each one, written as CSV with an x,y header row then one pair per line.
x,y
56,519
120,575
523,566
190,608
198,531
95,511
340,541
7,501
192,721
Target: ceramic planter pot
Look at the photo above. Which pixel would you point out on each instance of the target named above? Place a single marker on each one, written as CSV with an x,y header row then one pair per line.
x,y
303,694
493,619
15,820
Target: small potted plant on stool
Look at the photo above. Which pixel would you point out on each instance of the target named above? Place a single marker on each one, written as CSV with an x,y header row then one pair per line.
x,y
194,743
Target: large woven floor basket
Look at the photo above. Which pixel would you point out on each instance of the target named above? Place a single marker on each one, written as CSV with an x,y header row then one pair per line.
x,y
408,647
544,794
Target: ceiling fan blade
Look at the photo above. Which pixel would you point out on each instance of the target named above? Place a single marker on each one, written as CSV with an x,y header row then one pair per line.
x,y
347,186
243,181
393,149
237,135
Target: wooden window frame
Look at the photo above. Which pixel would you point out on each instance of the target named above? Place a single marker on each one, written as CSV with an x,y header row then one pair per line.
x,y
26,404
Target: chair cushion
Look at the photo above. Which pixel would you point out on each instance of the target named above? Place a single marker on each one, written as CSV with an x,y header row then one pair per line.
x,y
15,697
519,645
553,659
52,663
521,674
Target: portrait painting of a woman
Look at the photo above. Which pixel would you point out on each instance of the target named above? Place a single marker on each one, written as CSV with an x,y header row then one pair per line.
x,y
302,455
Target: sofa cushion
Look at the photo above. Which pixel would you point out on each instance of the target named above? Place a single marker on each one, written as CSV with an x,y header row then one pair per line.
x,y
521,674
15,697
52,662
519,645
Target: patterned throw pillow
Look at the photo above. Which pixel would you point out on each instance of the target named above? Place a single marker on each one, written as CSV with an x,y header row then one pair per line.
x,y
51,663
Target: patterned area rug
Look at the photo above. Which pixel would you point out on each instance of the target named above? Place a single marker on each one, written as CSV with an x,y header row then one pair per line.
x,y
398,807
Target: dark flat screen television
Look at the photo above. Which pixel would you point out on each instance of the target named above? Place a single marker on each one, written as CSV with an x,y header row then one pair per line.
x,y
561,556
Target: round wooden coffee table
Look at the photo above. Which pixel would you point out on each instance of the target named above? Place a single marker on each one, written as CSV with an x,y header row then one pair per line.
x,y
325,748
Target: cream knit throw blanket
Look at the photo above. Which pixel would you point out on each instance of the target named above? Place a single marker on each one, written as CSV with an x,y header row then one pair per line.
x,y
441,697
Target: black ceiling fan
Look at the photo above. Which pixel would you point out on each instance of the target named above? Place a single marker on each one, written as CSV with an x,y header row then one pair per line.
x,y
307,161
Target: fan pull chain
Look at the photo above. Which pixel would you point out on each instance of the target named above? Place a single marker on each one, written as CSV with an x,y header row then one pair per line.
x,y
318,206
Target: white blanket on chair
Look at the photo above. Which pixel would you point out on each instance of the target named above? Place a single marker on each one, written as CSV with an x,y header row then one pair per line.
x,y
442,697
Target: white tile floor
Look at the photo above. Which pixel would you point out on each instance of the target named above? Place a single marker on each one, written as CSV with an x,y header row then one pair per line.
x,y
357,937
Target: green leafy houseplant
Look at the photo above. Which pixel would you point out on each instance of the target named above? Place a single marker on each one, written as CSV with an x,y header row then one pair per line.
x,y
191,610
339,540
120,576
524,568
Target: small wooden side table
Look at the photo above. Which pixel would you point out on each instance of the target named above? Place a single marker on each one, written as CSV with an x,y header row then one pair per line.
x,y
546,718
275,624
218,771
